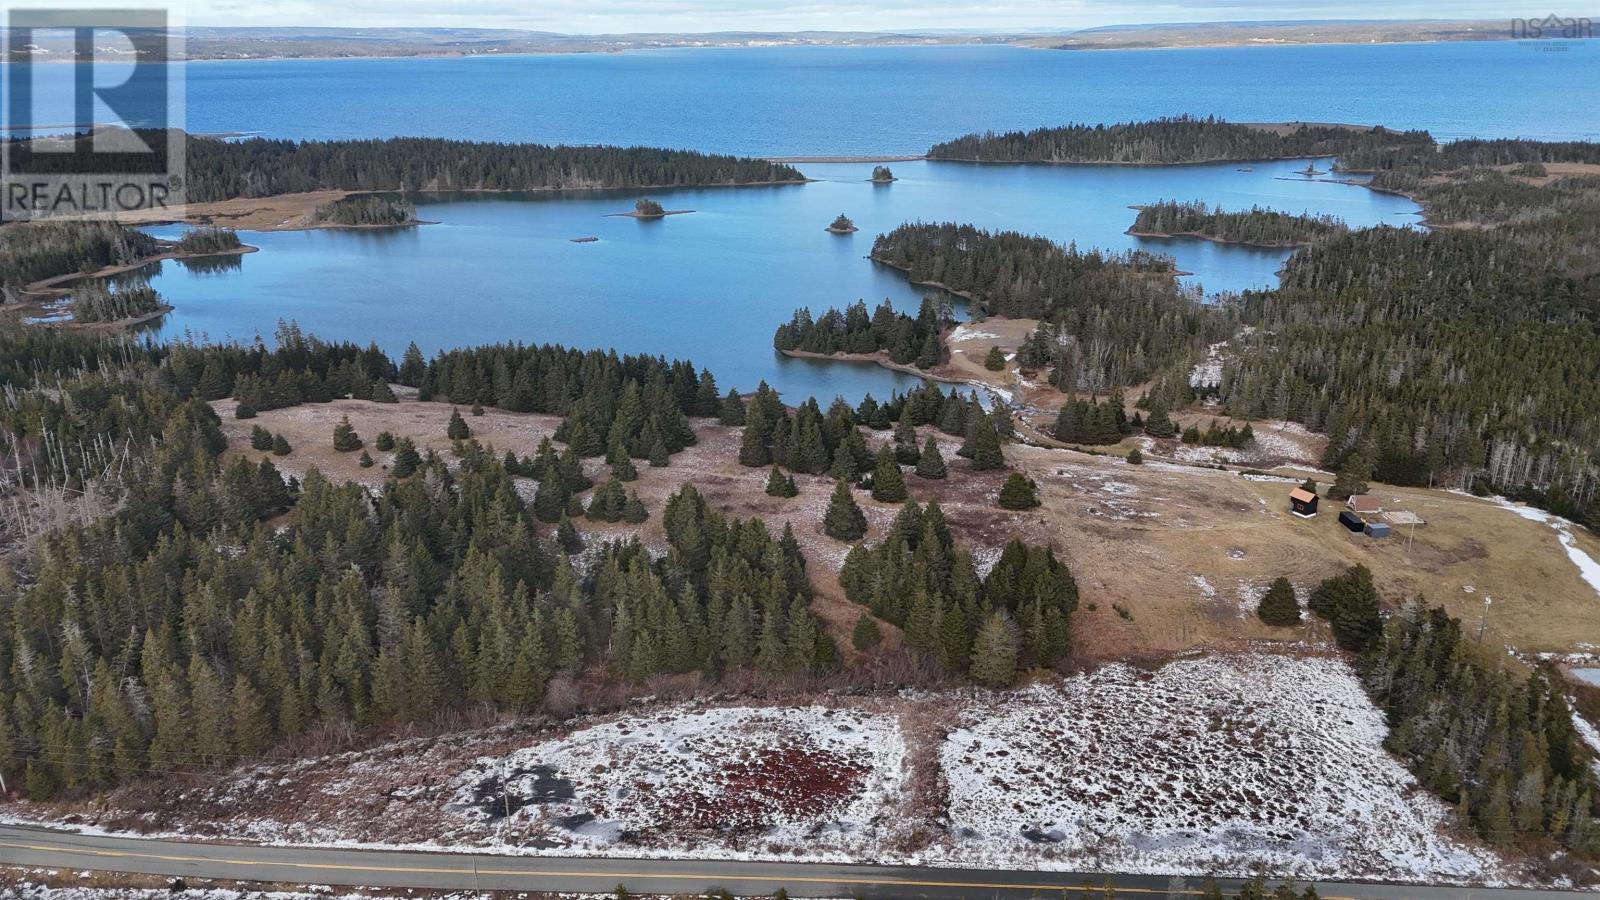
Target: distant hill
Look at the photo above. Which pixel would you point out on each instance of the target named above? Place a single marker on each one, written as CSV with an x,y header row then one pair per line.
x,y
1232,34
326,43
333,43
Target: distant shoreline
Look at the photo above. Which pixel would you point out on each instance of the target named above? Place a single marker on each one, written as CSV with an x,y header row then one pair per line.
x,y
1159,37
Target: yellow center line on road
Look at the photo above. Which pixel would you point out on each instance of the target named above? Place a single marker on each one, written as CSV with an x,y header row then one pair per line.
x,y
537,873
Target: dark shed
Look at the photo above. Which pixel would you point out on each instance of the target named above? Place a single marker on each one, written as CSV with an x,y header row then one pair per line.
x,y
1351,521
1303,502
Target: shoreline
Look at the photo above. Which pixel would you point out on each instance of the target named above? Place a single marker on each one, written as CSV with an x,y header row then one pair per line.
x,y
113,325
789,160
292,211
965,295
648,216
1161,235
1019,41
1132,163
53,287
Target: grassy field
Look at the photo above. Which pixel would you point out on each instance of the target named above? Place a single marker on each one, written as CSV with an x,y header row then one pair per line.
x,y
1168,557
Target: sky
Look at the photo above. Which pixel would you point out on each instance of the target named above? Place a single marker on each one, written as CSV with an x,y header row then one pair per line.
x,y
618,16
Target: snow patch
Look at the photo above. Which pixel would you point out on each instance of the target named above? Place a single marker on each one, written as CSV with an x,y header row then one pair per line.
x,y
1206,764
1588,566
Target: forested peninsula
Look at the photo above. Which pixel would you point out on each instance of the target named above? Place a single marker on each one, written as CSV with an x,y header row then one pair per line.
x,y
1169,141
1257,227
264,167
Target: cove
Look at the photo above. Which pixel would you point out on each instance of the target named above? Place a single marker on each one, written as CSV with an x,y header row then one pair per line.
x,y
711,285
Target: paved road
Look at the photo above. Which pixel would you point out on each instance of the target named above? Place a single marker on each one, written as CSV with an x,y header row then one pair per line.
x,y
29,846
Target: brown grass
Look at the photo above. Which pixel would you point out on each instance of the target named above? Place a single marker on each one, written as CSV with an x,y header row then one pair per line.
x,y
1136,537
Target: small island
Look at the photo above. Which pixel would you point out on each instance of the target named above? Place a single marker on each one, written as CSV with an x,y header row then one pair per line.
x,y
1256,227
646,208
882,175
365,211
586,239
842,225
109,306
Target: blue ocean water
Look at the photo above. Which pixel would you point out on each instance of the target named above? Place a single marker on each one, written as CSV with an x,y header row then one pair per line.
x,y
711,286
809,101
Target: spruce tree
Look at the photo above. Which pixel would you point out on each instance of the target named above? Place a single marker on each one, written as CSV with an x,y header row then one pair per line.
x,y
1353,474
931,463
567,536
986,452
457,430
1135,457
345,438
780,485
1159,425
888,483
866,634
382,393
366,460
406,459
1019,492
1279,607
753,450
732,410
260,438
994,652
905,438
634,511
280,445
384,442
844,520
624,469
995,361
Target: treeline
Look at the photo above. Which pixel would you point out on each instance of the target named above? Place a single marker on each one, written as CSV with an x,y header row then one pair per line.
x,y
1181,139
811,441
1425,157
1500,747
33,251
1256,226
908,340
1015,617
1116,317
1459,350
366,210
1480,197
1091,422
263,167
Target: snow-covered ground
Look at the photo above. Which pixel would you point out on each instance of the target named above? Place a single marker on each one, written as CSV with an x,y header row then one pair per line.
x,y
1206,764
1276,443
967,332
1224,763
790,776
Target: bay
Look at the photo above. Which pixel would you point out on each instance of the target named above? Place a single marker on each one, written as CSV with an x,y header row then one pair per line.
x,y
711,285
